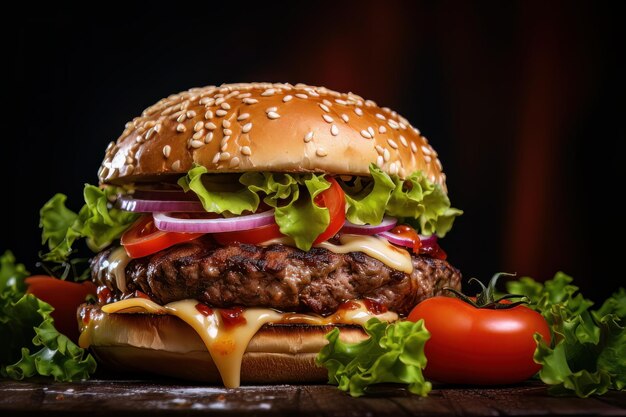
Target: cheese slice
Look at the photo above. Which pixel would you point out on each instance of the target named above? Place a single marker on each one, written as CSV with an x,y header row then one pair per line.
x,y
227,345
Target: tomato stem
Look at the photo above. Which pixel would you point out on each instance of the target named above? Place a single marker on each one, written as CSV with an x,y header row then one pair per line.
x,y
486,297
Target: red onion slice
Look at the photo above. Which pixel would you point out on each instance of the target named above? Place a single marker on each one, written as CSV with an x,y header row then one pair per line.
x,y
148,206
403,241
388,223
167,223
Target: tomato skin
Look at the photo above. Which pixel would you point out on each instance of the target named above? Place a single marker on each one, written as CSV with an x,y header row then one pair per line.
x,y
143,238
334,199
470,345
252,236
65,297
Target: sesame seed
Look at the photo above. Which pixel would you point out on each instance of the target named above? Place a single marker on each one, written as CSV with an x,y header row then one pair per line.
x,y
358,111
250,100
176,165
219,101
204,100
180,128
243,116
223,147
246,128
234,162
269,109
208,138
210,126
380,116
324,107
157,127
438,162
198,135
228,132
268,92
149,133
287,98
366,134
371,131
198,126
402,125
386,155
191,114
313,93
393,124
345,118
327,118
308,137
321,152
380,161
327,102
379,149
167,149
382,129
334,130
224,156
220,112
181,118
225,139
370,103
208,115
426,150
427,159
245,150
302,96
413,147
393,168
403,141
216,158
197,144
392,143
273,115
225,123
225,106
244,95
340,101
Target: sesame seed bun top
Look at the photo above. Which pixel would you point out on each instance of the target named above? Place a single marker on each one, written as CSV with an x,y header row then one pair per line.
x,y
267,127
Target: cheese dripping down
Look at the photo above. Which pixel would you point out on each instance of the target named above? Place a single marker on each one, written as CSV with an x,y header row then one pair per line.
x,y
227,344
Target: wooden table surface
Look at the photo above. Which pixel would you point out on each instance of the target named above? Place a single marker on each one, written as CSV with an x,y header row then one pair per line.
x,y
110,397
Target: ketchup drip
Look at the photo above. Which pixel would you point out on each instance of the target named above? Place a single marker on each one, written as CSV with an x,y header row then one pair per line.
x,y
232,317
374,306
204,309
105,296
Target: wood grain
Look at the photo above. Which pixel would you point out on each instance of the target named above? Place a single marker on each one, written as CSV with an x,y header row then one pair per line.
x,y
159,398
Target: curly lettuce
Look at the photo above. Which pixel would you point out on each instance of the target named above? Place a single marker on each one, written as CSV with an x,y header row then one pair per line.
x,y
587,354
31,345
98,221
394,353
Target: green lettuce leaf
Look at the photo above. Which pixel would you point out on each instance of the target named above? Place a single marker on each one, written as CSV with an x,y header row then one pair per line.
x,y
393,353
30,343
587,353
98,221
415,200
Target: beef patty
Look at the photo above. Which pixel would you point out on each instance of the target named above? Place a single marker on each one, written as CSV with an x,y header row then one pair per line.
x,y
277,276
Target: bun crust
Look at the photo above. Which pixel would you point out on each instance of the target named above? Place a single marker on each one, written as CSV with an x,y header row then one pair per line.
x,y
267,127
166,345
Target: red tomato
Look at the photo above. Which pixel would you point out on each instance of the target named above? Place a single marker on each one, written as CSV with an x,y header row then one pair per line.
x,y
252,236
65,297
470,345
143,238
334,200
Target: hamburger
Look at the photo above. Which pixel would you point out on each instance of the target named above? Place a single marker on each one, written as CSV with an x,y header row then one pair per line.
x,y
264,216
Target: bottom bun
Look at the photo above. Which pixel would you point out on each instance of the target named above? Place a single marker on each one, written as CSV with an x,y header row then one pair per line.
x,y
166,345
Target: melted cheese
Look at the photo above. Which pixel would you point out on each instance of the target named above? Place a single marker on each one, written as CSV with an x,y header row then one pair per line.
x,y
377,248
227,345
115,266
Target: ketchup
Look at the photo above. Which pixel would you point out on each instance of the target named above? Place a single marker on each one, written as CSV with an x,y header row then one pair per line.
x,y
140,294
104,295
407,232
204,309
349,305
374,306
232,317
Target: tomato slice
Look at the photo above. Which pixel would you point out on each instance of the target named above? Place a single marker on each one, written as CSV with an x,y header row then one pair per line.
x,y
143,238
65,297
334,199
252,236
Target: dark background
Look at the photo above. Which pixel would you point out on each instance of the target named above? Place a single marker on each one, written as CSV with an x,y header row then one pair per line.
x,y
523,101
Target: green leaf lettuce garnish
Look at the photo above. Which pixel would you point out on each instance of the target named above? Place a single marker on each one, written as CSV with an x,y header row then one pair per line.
x,y
30,343
394,353
587,354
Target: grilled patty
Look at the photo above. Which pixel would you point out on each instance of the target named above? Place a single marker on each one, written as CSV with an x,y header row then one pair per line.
x,y
277,276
